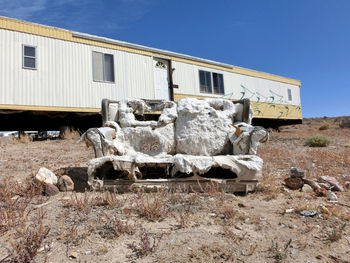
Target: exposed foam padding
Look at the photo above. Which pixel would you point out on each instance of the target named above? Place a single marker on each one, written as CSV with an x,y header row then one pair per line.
x,y
230,173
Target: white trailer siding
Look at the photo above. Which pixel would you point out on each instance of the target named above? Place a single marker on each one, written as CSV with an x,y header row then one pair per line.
x,y
63,77
186,76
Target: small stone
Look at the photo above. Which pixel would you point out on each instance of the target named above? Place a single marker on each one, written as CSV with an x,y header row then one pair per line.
x,y
312,183
332,196
73,255
310,213
294,183
65,183
321,192
297,173
294,252
50,189
347,185
325,185
307,188
288,211
44,175
333,182
325,210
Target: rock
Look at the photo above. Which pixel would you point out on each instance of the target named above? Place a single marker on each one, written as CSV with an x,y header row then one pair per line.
x,y
294,183
307,188
345,123
288,211
297,173
321,192
50,189
325,210
325,185
73,255
44,175
312,183
332,196
333,182
65,183
310,213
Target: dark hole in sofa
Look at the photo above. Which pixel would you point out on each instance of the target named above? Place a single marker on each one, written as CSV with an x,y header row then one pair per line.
x,y
219,173
107,172
154,172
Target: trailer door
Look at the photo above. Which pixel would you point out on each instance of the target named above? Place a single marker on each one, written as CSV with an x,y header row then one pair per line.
x,y
161,78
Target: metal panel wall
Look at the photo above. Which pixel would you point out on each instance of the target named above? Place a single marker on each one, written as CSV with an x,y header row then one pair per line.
x,y
237,86
64,73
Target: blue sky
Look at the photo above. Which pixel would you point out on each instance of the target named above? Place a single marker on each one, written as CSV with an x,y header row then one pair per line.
x,y
307,40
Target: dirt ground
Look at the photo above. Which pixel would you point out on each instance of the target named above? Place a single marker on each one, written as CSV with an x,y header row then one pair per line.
x,y
264,226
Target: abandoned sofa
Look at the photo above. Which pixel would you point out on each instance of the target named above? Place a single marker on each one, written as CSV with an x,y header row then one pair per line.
x,y
149,143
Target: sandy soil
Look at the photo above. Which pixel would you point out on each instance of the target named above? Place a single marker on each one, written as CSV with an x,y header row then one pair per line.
x,y
177,227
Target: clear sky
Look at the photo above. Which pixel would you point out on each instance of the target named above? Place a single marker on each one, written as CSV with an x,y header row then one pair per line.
x,y
308,40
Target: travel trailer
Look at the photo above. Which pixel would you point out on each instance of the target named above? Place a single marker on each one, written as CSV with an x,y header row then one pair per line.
x,y
51,77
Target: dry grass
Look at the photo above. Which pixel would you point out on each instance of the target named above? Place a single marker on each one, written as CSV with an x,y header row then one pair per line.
x,y
340,212
279,254
112,227
147,245
335,234
26,248
14,200
152,206
13,214
212,252
324,127
204,226
183,217
69,134
83,204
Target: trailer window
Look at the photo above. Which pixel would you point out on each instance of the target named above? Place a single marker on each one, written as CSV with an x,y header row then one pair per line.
x,y
289,94
205,81
218,83
29,57
208,86
103,67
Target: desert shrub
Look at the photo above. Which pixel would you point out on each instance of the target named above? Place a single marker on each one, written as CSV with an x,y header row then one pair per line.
x,y
317,141
279,254
183,218
69,133
152,206
21,138
113,227
147,245
26,248
324,127
336,233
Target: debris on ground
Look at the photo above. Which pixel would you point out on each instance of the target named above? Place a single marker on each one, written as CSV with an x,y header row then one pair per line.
x,y
333,182
310,213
